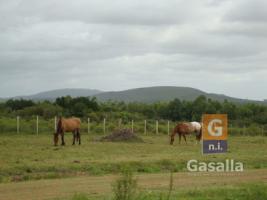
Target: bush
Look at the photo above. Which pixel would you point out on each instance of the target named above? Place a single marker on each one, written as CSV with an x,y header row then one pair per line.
x,y
80,197
125,187
252,130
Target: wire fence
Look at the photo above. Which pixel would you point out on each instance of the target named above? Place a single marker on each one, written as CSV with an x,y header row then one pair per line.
x,y
38,125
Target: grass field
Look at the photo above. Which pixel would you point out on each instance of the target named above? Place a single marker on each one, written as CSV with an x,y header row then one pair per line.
x,y
24,159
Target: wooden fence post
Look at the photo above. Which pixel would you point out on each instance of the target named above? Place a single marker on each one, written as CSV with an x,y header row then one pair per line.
x,y
157,127
120,121
132,125
145,128
104,125
37,125
55,123
18,128
168,127
88,125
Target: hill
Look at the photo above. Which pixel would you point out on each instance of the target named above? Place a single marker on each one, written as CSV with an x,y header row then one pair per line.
x,y
146,95
53,94
163,93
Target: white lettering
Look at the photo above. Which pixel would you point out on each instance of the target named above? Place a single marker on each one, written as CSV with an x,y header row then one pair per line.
x,y
192,165
228,165
214,129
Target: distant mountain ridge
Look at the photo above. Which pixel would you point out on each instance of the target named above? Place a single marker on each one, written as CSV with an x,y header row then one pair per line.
x,y
53,94
151,94
163,93
146,95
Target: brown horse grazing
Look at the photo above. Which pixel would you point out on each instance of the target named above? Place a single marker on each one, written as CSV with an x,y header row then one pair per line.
x,y
186,128
68,125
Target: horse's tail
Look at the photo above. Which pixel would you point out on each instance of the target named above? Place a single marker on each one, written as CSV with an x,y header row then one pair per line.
x,y
199,136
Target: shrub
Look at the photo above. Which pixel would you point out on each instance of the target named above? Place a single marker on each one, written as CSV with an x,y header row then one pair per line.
x,y
80,197
125,187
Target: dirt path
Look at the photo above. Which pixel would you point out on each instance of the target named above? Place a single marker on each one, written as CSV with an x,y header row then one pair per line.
x,y
58,188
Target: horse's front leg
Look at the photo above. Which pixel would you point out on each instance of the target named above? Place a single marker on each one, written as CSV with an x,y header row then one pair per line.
x,y
62,139
172,140
79,136
179,138
185,139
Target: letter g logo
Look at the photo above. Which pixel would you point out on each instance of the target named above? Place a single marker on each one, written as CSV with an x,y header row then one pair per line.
x,y
215,127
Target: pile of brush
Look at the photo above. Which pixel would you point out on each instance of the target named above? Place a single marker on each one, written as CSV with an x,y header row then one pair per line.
x,y
122,135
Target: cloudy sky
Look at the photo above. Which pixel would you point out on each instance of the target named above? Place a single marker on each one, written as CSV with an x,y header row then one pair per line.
x,y
218,46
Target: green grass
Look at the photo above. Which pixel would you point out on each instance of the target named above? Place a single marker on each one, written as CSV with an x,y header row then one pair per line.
x,y
242,192
26,157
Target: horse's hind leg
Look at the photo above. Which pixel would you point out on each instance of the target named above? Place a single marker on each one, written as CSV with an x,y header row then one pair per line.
x,y
62,139
197,139
179,138
77,135
74,136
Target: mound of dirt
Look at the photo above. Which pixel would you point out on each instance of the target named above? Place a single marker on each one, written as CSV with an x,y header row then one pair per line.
x,y
122,135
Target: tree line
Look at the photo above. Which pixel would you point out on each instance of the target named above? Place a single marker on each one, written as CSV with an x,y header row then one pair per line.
x,y
175,110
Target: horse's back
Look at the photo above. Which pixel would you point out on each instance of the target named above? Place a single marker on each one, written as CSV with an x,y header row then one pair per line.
x,y
184,127
188,127
196,125
77,120
71,124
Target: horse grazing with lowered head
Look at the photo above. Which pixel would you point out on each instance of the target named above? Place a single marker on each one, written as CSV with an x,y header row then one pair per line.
x,y
68,125
186,128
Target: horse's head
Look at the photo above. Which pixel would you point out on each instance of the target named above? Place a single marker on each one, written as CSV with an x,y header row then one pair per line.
x,y
55,139
172,139
58,131
173,135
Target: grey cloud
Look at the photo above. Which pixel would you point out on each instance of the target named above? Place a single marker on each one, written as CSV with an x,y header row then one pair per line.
x,y
248,11
217,46
242,29
118,12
